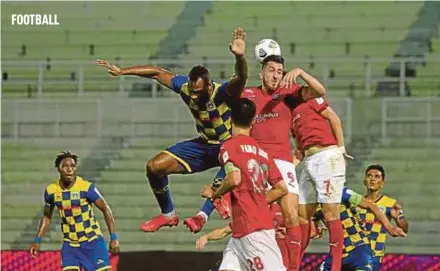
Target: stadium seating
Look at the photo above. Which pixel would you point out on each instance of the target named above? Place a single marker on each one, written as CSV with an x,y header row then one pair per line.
x,y
427,82
315,29
116,29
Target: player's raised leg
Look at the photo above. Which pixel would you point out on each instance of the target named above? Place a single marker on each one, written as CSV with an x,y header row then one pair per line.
x,y
185,157
196,223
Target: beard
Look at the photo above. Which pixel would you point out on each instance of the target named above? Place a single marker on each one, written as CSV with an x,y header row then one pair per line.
x,y
202,99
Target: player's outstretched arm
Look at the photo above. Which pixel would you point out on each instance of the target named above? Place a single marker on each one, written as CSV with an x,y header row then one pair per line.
x,y
216,234
313,89
110,221
399,218
150,71
43,227
238,47
336,125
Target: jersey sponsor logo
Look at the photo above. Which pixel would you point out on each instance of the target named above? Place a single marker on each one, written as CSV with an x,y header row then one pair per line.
x,y
265,116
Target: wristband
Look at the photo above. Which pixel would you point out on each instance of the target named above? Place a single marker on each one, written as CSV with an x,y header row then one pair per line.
x,y
37,240
113,236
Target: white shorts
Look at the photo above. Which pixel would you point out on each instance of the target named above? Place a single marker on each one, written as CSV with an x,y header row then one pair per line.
x,y
288,172
322,177
255,251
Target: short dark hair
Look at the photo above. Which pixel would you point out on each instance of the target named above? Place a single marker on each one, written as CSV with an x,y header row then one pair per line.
x,y
376,167
63,155
242,112
199,71
273,58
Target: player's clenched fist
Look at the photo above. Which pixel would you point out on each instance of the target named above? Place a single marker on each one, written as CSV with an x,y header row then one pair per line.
x,y
114,247
35,247
238,43
112,68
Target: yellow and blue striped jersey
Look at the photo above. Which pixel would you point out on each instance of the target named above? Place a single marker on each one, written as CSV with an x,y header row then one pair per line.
x,y
374,229
213,122
354,235
78,222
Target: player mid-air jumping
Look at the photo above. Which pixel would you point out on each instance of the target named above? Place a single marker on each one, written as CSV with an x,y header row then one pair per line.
x,y
248,167
209,104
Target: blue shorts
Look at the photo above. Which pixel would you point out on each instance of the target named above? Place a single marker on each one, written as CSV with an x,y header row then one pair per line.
x,y
91,256
376,261
358,259
196,155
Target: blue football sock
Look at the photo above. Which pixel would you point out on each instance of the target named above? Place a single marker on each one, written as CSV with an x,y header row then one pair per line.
x,y
207,207
162,194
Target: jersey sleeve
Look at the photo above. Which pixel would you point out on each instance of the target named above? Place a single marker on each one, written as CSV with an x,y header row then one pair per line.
x,y
222,94
93,193
177,82
274,175
318,104
349,196
228,158
48,198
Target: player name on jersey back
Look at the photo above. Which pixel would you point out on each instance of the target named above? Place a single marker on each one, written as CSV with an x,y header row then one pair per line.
x,y
253,149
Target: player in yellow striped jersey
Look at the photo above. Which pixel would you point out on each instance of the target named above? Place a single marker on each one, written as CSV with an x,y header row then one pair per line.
x,y
208,103
374,182
84,245
357,253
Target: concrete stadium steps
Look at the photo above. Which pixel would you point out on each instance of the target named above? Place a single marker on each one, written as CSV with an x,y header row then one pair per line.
x,y
70,40
402,154
427,82
373,29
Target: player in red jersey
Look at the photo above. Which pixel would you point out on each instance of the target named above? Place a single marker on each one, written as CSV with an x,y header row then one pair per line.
x,y
318,133
271,130
248,167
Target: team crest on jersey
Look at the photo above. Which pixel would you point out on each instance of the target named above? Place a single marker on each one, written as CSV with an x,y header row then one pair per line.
x,y
210,106
382,209
276,97
75,195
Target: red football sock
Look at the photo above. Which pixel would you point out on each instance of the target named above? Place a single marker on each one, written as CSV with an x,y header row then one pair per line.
x,y
305,238
293,240
284,251
336,239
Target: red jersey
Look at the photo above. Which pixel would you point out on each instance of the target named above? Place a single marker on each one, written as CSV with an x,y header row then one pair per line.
x,y
309,127
250,210
273,117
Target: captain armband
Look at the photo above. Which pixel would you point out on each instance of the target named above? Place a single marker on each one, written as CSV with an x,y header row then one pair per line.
x,y
229,167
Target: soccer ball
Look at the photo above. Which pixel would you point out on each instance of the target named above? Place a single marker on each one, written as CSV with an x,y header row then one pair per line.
x,y
265,48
